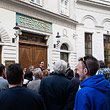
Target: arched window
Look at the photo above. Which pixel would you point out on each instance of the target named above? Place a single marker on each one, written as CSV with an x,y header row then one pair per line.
x,y
64,47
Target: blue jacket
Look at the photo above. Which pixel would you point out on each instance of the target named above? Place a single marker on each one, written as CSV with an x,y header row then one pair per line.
x,y
94,94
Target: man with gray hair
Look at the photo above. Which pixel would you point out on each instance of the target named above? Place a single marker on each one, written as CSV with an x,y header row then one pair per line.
x,y
57,91
35,83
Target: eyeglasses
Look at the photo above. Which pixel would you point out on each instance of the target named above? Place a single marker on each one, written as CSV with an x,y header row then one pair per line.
x,y
84,61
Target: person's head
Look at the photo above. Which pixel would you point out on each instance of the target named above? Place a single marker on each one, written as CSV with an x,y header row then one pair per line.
x,y
14,74
42,63
2,69
75,72
108,66
87,66
60,67
25,69
37,73
101,64
31,68
68,64
45,73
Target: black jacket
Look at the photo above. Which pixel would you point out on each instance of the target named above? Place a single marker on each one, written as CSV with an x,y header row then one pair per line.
x,y
28,75
20,98
58,92
69,73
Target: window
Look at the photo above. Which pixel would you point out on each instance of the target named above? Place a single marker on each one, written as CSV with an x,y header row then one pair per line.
x,y
88,44
64,55
36,1
64,8
107,49
64,47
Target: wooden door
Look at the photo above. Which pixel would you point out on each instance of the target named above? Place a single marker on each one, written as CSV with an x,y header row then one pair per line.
x,y
39,54
32,55
25,55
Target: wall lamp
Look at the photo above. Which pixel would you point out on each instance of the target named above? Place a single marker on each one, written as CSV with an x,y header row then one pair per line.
x,y
58,40
17,32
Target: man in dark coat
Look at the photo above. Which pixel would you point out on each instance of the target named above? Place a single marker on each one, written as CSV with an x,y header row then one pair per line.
x,y
75,79
69,72
18,97
57,91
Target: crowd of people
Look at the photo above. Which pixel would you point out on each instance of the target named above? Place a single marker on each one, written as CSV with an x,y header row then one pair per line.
x,y
85,88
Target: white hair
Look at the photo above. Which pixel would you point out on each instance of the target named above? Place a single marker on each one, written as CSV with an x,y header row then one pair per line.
x,y
60,67
30,67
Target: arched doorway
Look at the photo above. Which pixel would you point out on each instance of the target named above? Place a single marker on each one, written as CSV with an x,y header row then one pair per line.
x,y
64,55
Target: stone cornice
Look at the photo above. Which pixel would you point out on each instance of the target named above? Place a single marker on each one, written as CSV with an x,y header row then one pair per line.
x,y
40,9
96,2
100,27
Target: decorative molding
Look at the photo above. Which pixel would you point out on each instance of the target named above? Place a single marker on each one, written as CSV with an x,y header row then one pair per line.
x,y
32,38
67,42
100,27
75,36
43,11
105,20
96,2
89,17
4,35
65,33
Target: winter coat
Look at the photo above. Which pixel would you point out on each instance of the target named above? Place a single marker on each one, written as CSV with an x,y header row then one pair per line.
x,y
94,94
20,98
34,84
58,92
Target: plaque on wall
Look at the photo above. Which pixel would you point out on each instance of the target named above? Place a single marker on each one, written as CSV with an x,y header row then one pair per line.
x,y
33,23
7,63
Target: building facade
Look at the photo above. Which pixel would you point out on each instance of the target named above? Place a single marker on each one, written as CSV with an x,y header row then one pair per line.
x,y
54,30
93,28
40,24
